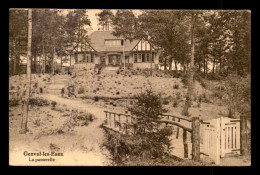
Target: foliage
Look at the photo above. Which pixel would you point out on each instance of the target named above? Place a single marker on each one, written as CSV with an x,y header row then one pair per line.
x,y
13,102
237,94
18,23
81,118
81,90
148,141
105,17
53,103
36,101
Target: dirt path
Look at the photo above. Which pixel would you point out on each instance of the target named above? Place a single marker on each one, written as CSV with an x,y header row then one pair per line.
x,y
91,136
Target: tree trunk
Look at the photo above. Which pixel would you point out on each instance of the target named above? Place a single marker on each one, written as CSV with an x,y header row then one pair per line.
x,y
170,64
24,128
165,63
52,65
213,70
190,87
175,63
204,67
220,66
70,59
14,55
78,39
44,57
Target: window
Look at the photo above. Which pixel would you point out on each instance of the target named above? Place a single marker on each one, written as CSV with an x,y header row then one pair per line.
x,y
113,42
148,57
153,55
92,58
84,58
143,57
139,57
135,58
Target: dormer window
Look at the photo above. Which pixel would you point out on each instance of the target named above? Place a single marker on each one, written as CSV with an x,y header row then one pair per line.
x,y
112,42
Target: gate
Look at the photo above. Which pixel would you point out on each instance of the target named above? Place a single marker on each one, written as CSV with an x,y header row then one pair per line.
x,y
210,139
230,136
219,137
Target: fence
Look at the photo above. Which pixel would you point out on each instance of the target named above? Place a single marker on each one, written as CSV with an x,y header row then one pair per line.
x,y
213,138
120,123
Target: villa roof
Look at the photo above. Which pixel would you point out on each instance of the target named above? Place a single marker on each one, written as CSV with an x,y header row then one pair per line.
x,y
97,41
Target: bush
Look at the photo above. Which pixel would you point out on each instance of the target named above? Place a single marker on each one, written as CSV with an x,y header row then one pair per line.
x,y
237,94
185,80
13,102
81,90
81,118
146,141
165,102
53,103
36,101
175,103
175,86
96,98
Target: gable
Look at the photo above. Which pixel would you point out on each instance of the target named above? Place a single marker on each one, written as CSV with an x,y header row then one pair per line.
x,y
98,38
143,45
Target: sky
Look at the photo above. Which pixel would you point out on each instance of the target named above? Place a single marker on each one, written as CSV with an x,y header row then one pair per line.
x,y
93,18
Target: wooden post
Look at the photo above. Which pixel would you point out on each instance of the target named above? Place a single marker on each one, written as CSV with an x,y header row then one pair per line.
x,y
243,135
115,120
109,119
178,130
119,122
195,138
106,117
126,124
185,143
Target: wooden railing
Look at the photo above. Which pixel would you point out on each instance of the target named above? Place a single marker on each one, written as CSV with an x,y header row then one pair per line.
x,y
114,122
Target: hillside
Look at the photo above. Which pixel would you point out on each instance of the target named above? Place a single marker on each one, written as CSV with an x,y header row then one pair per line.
x,y
114,89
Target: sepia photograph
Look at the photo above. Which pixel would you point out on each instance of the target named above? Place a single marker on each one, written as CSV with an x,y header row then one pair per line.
x,y
129,87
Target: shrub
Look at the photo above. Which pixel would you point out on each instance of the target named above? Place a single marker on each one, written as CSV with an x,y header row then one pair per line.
x,y
96,98
238,94
13,102
81,90
185,80
81,118
165,102
175,103
36,101
176,86
146,141
53,103
62,91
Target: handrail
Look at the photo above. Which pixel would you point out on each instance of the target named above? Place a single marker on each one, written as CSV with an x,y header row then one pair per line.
x,y
177,124
163,120
182,118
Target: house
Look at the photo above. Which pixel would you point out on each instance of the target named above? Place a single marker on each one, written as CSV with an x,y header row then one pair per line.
x,y
106,50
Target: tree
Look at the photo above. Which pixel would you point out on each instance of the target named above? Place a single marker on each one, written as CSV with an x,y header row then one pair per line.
x,y
105,18
17,38
126,24
24,128
151,140
169,31
239,24
190,85
82,22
